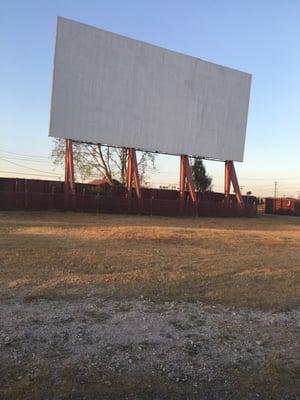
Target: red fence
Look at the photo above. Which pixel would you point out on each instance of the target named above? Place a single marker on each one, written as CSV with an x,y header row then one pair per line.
x,y
282,206
46,195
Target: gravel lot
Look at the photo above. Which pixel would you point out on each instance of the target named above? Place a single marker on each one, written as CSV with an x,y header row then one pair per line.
x,y
103,349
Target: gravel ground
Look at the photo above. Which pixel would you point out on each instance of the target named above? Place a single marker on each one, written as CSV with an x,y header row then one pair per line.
x,y
105,349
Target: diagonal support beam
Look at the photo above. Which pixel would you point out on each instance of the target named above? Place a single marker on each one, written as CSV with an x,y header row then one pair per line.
x,y
133,174
69,168
186,178
230,177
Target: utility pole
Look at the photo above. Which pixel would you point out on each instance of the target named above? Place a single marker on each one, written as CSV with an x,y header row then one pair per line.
x,y
275,189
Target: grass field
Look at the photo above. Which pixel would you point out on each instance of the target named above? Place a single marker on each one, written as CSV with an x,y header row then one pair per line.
x,y
237,262
131,307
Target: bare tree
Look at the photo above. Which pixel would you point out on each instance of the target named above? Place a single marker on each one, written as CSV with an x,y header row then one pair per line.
x,y
105,162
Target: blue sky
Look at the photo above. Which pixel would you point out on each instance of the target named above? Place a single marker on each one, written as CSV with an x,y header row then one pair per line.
x,y
261,37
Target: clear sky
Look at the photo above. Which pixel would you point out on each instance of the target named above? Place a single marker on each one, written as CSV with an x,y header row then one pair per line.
x,y
257,36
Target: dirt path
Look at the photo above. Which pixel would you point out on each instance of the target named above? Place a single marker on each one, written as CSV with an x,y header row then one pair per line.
x,y
106,349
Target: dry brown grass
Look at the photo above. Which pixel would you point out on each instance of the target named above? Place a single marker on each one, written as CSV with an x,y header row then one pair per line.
x,y
237,262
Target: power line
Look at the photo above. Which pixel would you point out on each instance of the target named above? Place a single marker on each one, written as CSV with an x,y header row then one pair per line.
x,y
240,177
26,159
18,172
22,154
24,166
29,157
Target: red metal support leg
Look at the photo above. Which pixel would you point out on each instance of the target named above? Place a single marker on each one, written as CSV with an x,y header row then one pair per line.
x,y
186,177
182,177
69,168
236,186
136,177
133,174
129,173
190,181
230,177
227,181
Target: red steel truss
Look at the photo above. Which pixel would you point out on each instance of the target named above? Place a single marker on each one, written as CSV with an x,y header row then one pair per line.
x,y
230,177
133,174
69,168
186,178
133,179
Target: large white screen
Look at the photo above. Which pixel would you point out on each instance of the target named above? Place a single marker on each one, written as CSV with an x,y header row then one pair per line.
x,y
113,90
